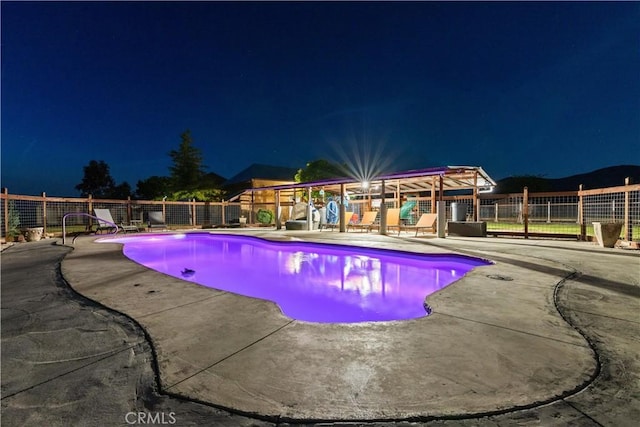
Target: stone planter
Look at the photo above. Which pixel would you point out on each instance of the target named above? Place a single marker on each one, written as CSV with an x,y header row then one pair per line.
x,y
33,234
607,233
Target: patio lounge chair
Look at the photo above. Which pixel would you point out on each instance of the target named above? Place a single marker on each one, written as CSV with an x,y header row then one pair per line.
x,y
367,221
347,219
156,220
393,218
427,221
106,222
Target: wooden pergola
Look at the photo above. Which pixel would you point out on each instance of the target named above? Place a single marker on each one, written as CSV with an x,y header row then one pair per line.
x,y
435,181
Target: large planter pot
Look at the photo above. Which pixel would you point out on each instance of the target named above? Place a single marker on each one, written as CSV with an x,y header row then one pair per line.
x,y
607,233
33,234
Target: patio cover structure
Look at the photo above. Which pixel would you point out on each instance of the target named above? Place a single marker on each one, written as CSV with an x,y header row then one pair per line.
x,y
392,187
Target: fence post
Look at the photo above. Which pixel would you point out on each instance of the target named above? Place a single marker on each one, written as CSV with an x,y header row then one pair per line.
x,y
548,211
223,208
583,226
129,211
90,206
44,213
628,228
5,190
496,212
193,213
525,211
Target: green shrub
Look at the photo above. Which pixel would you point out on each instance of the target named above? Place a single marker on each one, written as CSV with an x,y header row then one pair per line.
x,y
264,216
14,220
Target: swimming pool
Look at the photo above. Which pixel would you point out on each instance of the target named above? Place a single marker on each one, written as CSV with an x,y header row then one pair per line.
x,y
313,282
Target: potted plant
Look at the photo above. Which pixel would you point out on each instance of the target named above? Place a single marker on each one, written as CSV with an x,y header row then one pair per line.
x,y
33,234
607,233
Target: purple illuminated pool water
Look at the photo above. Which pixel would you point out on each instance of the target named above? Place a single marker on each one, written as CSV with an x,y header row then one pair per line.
x,y
309,281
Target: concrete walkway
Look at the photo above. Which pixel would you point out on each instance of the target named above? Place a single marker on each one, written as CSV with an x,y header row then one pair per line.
x,y
554,344
69,362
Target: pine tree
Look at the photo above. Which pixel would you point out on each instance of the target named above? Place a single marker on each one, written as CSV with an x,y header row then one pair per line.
x,y
187,170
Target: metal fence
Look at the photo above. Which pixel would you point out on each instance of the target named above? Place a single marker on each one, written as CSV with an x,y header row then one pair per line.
x,y
22,212
566,214
563,214
617,204
546,213
543,208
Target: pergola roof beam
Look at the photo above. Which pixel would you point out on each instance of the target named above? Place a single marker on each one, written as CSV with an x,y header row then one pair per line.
x,y
454,177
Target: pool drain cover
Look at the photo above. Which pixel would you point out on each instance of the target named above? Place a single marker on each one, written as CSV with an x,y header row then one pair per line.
x,y
498,277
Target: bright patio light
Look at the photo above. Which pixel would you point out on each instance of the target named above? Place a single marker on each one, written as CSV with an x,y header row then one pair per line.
x,y
364,158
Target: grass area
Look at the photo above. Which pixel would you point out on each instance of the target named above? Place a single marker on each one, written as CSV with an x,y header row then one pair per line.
x,y
553,227
70,229
540,227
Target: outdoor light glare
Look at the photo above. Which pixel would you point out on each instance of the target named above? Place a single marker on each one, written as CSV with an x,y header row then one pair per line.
x,y
365,184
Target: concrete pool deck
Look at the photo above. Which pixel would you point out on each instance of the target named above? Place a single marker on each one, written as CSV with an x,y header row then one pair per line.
x,y
550,334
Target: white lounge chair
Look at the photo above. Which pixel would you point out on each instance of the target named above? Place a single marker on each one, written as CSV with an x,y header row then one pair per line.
x,y
106,222
156,220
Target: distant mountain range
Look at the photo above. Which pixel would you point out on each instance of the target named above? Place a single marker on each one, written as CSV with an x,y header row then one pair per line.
x,y
606,177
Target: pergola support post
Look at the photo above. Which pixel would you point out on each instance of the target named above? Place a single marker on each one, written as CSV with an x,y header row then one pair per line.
x,y
278,210
343,210
476,201
309,210
383,210
441,223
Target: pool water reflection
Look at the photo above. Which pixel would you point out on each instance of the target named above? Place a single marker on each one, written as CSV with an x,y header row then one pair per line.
x,y
309,281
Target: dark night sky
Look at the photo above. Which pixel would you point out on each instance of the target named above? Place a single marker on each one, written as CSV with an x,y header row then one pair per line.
x,y
517,88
